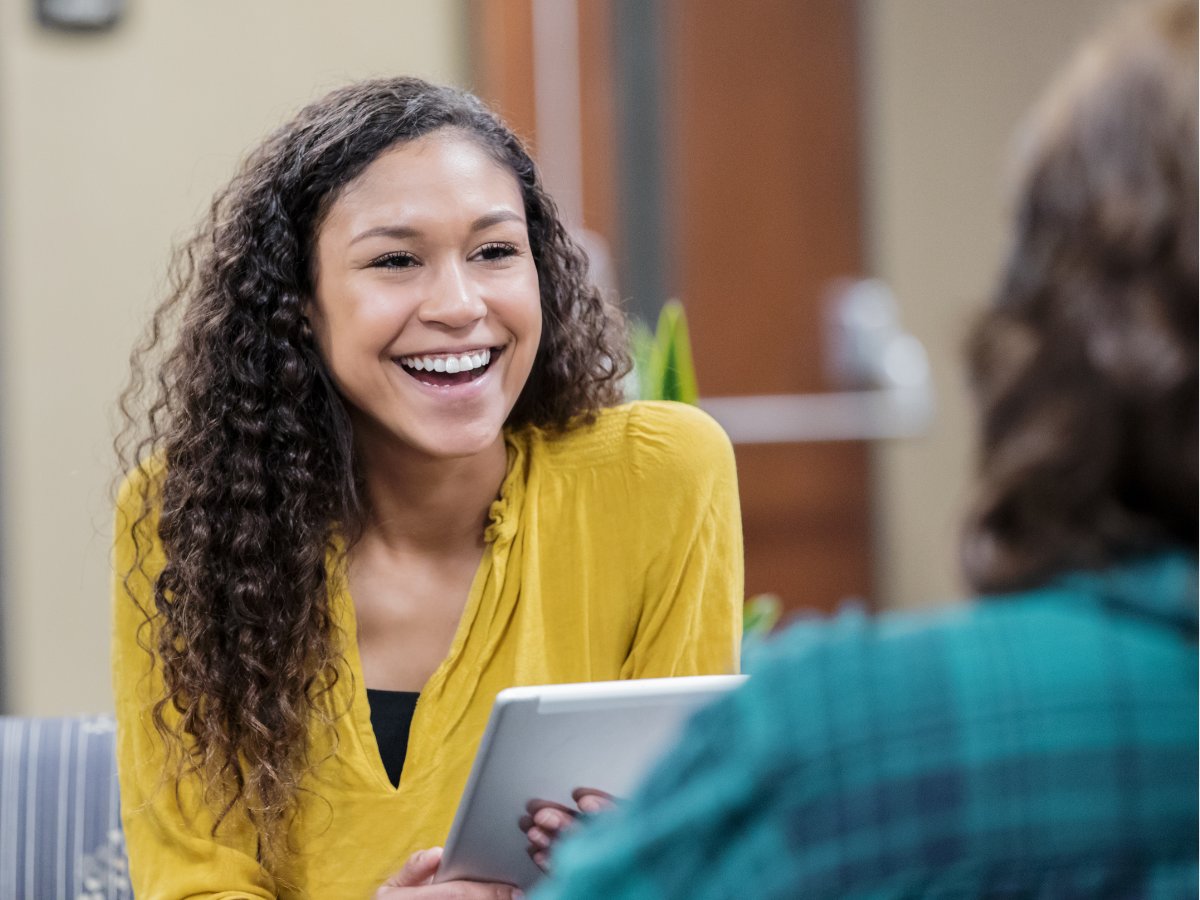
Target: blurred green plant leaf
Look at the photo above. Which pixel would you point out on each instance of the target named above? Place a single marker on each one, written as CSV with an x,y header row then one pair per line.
x,y
663,364
760,614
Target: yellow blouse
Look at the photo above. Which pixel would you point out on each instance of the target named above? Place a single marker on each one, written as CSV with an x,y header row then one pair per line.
x,y
614,551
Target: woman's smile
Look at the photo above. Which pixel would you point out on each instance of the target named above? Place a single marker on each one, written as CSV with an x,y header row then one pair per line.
x,y
450,369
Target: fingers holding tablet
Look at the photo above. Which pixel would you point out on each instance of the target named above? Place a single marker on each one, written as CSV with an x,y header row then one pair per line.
x,y
592,800
545,821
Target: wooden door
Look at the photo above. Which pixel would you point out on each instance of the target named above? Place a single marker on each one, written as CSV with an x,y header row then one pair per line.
x,y
759,158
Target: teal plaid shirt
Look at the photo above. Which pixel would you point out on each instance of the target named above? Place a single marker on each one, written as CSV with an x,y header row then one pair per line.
x,y
1041,744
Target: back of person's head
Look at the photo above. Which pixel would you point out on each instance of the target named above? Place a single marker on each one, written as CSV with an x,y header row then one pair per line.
x,y
1085,367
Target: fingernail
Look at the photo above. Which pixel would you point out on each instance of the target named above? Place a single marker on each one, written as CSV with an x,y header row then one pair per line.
x,y
428,853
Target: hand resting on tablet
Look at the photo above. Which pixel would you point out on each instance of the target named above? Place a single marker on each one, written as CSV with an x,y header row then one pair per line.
x,y
545,821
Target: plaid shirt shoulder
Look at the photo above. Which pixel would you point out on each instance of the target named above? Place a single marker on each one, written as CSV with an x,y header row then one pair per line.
x,y
1033,745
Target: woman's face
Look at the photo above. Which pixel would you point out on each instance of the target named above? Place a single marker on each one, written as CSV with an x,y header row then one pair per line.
x,y
427,310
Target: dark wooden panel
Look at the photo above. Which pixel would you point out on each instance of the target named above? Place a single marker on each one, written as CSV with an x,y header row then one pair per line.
x,y
501,33
766,172
598,125
806,516
764,158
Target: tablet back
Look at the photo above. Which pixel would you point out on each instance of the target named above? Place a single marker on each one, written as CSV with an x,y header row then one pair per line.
x,y
543,742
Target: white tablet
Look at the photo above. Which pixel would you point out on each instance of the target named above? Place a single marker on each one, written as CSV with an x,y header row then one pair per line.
x,y
543,742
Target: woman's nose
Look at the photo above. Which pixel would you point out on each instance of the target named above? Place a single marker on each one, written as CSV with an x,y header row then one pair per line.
x,y
453,300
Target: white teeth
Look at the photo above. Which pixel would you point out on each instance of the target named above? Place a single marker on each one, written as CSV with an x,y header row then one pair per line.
x,y
452,364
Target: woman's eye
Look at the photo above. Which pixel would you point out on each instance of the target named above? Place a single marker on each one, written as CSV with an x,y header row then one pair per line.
x,y
497,251
394,261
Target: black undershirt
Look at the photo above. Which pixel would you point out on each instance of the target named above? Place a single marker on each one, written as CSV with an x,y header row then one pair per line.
x,y
391,718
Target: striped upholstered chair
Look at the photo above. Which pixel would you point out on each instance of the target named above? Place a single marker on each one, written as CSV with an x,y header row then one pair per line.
x,y
60,825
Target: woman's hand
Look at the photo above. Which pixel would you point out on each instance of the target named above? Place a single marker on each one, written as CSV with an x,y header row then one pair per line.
x,y
415,881
545,822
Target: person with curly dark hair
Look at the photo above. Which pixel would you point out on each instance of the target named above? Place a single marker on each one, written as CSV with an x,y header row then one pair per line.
x,y
1042,741
383,471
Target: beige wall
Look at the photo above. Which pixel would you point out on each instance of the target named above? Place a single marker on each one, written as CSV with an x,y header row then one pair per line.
x,y
110,145
947,82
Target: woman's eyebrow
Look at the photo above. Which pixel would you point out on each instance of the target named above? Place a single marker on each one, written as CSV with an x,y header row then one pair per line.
x,y
397,232
496,217
401,232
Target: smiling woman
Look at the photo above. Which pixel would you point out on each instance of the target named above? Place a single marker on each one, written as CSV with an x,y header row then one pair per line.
x,y
381,472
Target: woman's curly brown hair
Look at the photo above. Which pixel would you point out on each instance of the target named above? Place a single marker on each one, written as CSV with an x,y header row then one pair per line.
x,y
252,444
1086,366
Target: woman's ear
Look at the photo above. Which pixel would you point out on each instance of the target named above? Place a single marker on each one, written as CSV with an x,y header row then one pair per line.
x,y
311,326
310,318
